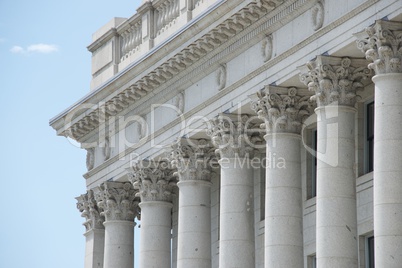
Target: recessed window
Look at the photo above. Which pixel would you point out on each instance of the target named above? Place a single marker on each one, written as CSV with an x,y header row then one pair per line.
x,y
370,252
370,136
312,165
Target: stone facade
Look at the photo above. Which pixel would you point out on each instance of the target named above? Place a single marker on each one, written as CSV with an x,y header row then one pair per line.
x,y
258,133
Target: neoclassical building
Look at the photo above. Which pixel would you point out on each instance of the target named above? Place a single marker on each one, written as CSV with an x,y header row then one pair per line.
x,y
257,133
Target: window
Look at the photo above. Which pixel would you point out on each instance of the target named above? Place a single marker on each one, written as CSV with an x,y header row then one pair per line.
x,y
370,252
312,164
370,136
262,188
312,261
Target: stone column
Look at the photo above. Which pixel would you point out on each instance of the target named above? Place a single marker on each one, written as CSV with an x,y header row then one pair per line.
x,y
120,207
236,244
155,182
95,231
382,45
283,111
334,82
192,158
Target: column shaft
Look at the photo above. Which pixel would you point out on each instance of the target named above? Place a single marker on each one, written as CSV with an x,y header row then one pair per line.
x,y
336,188
283,202
94,248
236,245
119,244
194,233
388,170
156,224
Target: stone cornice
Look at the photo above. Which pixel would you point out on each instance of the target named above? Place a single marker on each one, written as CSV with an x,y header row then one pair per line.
x,y
89,209
382,44
262,69
282,109
86,122
193,159
154,180
334,80
118,201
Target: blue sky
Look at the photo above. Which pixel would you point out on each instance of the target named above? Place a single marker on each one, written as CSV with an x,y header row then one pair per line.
x,y
45,67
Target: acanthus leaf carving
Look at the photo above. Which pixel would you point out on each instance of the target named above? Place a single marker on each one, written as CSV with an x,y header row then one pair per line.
x,y
335,80
317,15
193,159
118,201
153,180
89,209
221,76
382,45
267,48
282,109
234,135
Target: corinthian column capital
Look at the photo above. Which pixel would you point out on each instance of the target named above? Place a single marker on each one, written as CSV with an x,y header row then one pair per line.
x,y
89,209
282,109
117,199
334,80
382,44
234,135
154,180
193,159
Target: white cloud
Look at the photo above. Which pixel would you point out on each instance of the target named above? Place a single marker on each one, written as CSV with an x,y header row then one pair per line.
x,y
17,49
35,48
42,48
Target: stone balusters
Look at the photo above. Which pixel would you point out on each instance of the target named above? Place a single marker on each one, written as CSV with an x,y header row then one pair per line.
x,y
155,182
194,160
382,45
230,135
95,231
283,111
120,207
165,14
334,82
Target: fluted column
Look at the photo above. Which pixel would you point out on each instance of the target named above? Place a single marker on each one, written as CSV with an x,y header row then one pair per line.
x,y
119,206
95,231
382,44
155,182
236,244
334,82
192,158
283,111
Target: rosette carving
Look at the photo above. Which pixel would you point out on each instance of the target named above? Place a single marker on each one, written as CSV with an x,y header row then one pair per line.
x,y
382,44
118,201
89,209
154,180
334,80
193,159
234,135
282,109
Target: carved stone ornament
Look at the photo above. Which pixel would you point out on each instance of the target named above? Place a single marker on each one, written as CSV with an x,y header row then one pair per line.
x,y
221,77
89,209
317,15
154,180
267,48
189,55
193,159
142,130
118,201
382,45
106,149
282,109
234,135
90,160
334,80
179,103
